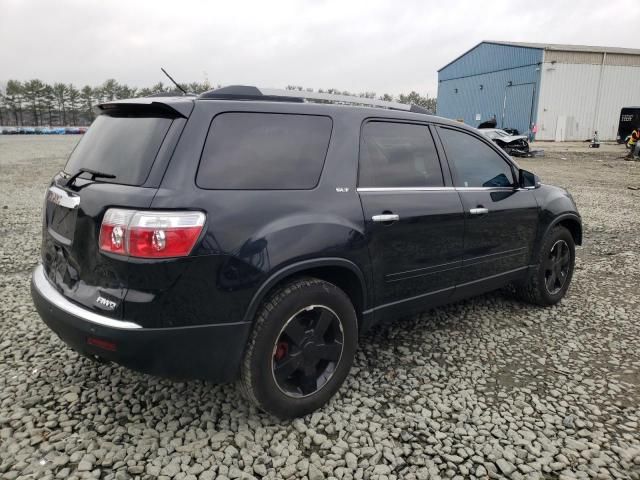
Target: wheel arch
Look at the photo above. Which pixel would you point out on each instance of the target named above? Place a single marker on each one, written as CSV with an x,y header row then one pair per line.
x,y
339,271
575,227
571,222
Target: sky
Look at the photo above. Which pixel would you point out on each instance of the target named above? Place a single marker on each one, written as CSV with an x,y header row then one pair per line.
x,y
360,46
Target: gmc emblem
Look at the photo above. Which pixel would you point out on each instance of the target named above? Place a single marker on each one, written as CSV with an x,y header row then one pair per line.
x,y
106,303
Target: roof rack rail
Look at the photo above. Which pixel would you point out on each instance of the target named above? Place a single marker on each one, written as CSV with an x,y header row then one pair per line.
x,y
172,93
243,92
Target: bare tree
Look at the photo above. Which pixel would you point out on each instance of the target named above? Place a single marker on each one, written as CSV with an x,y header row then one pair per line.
x,y
60,93
159,88
415,98
198,87
109,90
2,108
74,99
34,91
48,101
14,96
86,98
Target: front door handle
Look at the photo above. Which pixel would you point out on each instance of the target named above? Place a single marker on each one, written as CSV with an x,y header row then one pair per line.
x,y
479,211
386,217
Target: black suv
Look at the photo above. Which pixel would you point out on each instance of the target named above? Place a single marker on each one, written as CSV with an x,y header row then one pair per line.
x,y
253,235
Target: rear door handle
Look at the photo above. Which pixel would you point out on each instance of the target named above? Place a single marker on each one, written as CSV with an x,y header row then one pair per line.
x,y
386,217
479,211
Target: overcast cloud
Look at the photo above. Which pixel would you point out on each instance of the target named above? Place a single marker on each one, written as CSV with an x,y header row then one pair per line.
x,y
375,45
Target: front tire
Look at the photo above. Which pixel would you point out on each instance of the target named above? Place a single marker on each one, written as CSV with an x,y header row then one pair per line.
x,y
555,262
301,348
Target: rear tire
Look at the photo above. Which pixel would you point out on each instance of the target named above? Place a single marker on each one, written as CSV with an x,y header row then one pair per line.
x,y
301,348
548,283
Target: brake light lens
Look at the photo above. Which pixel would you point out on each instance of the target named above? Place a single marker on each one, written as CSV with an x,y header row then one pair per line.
x,y
150,234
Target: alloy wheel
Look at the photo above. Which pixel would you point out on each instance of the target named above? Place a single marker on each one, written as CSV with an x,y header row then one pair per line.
x,y
557,267
307,351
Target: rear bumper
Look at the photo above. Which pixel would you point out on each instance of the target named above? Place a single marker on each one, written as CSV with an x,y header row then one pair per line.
x,y
210,352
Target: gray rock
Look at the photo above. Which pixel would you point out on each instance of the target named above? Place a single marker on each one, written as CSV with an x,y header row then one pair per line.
x,y
70,397
170,470
381,469
207,475
136,469
315,473
351,460
453,458
85,466
575,444
505,467
319,439
260,469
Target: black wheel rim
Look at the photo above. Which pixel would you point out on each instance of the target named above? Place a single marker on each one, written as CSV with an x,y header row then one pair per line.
x,y
307,351
557,267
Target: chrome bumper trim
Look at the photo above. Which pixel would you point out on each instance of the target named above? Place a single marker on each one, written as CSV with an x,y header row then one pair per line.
x,y
42,284
64,199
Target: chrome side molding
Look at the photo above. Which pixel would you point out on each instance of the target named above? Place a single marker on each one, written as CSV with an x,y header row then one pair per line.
x,y
434,189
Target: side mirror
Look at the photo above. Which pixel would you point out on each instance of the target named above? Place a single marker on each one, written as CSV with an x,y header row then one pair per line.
x,y
528,179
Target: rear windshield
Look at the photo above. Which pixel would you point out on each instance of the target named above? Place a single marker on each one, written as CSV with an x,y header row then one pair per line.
x,y
264,151
122,146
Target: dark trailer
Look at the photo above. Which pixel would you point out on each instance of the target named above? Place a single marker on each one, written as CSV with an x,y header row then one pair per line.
x,y
629,119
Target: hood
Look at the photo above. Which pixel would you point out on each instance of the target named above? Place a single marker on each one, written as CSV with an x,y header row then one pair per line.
x,y
512,138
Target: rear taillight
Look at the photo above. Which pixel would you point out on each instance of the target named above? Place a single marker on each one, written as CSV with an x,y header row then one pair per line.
x,y
150,234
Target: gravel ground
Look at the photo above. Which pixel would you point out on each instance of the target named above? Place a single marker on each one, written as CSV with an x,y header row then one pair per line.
x,y
488,388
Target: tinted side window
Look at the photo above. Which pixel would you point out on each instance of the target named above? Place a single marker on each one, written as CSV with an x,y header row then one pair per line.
x,y
398,155
475,164
264,151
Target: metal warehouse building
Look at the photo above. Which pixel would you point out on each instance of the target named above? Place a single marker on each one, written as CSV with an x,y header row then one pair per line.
x,y
569,91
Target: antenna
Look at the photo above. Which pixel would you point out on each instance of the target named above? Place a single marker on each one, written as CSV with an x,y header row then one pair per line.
x,y
174,82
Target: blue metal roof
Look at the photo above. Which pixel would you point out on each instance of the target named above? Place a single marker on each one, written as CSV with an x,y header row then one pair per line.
x,y
490,57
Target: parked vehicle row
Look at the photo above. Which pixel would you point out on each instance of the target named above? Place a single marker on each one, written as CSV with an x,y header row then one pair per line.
x,y
42,130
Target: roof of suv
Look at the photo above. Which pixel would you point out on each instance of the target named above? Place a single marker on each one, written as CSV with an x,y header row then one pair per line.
x,y
183,104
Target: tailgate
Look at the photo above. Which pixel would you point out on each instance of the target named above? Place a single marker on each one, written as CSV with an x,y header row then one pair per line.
x,y
70,254
118,163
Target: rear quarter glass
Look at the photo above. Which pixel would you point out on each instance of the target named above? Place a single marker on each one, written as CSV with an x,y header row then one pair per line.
x,y
122,146
264,151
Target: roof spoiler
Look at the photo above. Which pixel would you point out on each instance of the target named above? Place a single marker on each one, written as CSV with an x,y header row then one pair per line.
x,y
245,92
164,106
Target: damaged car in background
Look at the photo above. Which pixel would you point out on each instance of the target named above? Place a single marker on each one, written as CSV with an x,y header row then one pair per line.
x,y
514,145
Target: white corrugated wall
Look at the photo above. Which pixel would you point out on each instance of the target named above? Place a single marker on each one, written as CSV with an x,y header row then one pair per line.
x,y
578,95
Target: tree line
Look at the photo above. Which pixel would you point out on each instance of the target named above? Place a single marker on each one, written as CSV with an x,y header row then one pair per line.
x,y
412,98
36,103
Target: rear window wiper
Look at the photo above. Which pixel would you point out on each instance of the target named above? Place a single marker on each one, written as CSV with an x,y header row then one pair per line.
x,y
94,174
